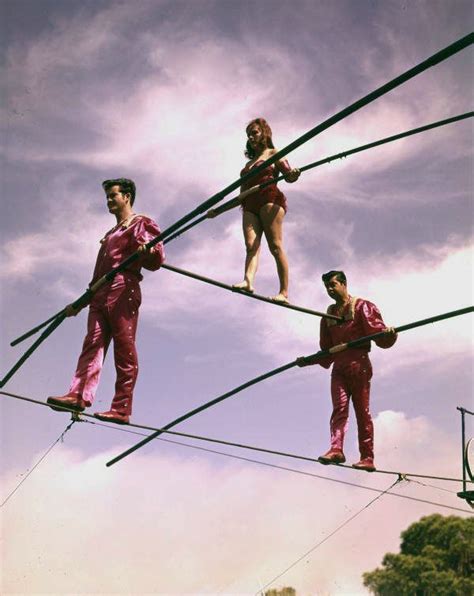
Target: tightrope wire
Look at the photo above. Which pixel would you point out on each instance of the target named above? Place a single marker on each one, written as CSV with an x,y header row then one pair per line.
x,y
225,443
284,468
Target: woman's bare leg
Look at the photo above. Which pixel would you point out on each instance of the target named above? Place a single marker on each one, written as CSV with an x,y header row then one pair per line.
x,y
271,216
252,234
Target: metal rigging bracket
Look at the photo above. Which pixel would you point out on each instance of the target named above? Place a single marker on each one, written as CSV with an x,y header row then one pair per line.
x,y
467,460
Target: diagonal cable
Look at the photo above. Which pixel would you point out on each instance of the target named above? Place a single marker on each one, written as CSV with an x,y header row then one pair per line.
x,y
60,438
321,542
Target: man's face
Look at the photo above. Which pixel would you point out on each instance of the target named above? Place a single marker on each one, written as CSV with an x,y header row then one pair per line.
x,y
116,199
335,288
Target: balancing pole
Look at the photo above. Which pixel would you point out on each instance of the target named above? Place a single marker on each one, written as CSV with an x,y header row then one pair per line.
x,y
46,333
436,58
224,286
311,359
236,201
433,60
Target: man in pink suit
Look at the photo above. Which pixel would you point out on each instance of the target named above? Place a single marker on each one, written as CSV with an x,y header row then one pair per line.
x,y
352,368
113,310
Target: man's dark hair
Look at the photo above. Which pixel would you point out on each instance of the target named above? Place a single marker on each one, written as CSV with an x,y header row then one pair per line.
x,y
126,186
339,275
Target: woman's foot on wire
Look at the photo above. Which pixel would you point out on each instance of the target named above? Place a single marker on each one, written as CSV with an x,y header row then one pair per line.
x,y
280,298
244,286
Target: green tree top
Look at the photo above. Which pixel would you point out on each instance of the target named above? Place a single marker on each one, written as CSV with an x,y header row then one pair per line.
x,y
436,559
283,592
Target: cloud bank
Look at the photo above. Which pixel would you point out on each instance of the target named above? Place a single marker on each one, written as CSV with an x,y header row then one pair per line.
x,y
138,528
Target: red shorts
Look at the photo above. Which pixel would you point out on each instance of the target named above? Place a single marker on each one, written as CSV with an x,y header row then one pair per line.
x,y
257,200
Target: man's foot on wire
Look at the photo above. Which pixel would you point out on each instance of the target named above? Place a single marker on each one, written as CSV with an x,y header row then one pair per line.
x,y
244,286
113,416
68,402
280,298
366,464
333,456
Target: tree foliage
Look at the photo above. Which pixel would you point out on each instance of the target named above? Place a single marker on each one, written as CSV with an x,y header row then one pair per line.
x,y
283,592
436,559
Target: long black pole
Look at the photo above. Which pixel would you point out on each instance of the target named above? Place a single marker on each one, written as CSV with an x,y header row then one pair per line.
x,y
385,140
205,406
46,333
224,286
310,359
436,58
36,329
235,202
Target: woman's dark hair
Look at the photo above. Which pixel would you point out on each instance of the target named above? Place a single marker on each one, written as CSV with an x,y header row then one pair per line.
x,y
339,275
267,136
126,186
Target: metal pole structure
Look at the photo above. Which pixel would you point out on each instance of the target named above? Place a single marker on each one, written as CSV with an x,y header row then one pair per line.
x,y
467,495
463,440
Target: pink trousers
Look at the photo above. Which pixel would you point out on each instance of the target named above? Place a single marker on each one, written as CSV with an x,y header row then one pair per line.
x,y
352,380
113,315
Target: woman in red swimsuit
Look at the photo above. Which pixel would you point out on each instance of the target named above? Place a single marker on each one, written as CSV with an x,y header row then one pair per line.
x,y
264,210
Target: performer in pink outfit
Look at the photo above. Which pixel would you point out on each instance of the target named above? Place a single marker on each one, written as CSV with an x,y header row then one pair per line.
x,y
263,210
352,368
113,311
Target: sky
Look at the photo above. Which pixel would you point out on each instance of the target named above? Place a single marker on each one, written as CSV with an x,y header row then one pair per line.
x,y
161,92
